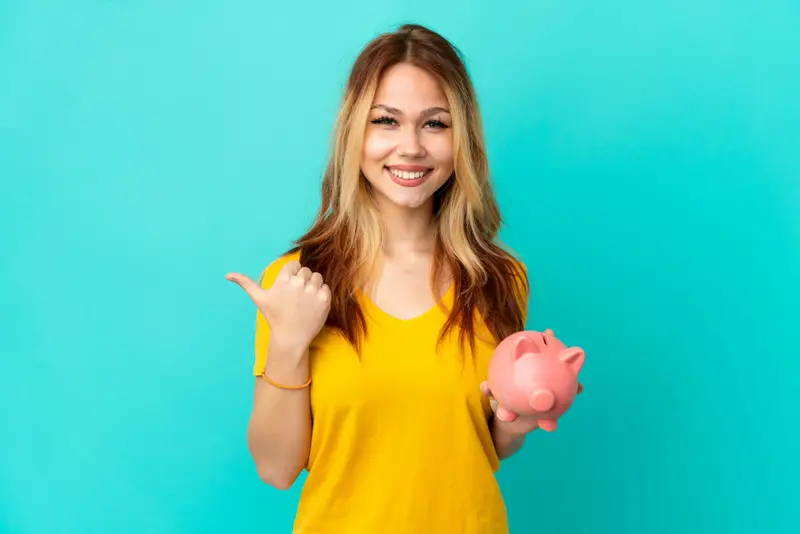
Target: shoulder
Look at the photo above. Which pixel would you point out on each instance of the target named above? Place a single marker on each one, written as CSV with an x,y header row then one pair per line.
x,y
271,271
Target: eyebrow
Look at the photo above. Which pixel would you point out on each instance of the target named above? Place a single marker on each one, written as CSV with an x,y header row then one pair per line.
x,y
425,113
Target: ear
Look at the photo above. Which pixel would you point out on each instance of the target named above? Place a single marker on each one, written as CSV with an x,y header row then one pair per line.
x,y
524,345
574,358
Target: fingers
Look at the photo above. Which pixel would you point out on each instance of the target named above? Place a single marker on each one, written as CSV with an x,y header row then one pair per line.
x,y
314,282
506,416
289,270
300,278
488,394
246,283
292,274
325,293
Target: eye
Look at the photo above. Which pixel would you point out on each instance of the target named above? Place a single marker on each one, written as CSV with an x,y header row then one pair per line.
x,y
384,120
436,123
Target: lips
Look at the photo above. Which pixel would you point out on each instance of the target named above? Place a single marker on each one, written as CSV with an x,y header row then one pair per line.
x,y
408,175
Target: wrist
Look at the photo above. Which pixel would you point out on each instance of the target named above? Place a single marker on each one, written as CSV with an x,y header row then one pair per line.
x,y
287,366
503,428
512,430
287,359
287,349
507,438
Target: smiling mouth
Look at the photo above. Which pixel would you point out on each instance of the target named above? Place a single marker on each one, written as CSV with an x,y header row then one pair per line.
x,y
409,175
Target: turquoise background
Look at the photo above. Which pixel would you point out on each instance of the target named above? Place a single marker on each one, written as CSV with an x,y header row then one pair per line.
x,y
647,160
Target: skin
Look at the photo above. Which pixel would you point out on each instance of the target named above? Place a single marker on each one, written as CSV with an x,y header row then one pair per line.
x,y
409,128
279,431
409,125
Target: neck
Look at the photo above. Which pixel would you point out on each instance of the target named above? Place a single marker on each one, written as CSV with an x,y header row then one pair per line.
x,y
408,231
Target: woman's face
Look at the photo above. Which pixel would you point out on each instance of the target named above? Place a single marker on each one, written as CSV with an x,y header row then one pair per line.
x,y
408,142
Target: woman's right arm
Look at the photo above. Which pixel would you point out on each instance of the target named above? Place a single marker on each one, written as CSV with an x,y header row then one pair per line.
x,y
279,432
293,305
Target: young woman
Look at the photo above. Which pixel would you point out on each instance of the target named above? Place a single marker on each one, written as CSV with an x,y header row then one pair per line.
x,y
374,333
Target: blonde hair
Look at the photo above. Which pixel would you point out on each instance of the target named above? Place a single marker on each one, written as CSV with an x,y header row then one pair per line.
x,y
346,240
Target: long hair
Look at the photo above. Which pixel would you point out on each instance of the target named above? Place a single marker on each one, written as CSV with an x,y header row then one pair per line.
x,y
345,241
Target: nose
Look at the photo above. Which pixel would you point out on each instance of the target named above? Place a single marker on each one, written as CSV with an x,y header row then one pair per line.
x,y
410,144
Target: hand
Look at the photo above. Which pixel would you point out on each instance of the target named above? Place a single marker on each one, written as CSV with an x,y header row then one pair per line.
x,y
521,424
296,306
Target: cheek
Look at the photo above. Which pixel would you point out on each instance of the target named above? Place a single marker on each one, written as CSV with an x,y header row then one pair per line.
x,y
440,148
377,146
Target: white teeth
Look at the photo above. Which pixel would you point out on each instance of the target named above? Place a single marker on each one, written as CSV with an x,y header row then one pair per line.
x,y
407,175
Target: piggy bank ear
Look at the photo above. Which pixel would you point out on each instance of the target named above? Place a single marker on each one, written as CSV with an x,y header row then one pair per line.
x,y
574,358
524,345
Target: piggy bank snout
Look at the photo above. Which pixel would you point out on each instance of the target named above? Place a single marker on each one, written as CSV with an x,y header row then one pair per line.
x,y
542,400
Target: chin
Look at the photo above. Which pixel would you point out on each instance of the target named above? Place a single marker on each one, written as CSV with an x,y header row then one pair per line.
x,y
410,204
409,198
399,200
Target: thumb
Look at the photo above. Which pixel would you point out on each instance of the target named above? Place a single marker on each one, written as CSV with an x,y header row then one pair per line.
x,y
250,286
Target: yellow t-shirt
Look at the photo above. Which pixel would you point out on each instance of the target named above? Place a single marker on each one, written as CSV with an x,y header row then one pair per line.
x,y
400,438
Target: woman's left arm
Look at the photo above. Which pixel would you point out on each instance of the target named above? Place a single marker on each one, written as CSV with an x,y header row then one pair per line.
x,y
508,436
507,440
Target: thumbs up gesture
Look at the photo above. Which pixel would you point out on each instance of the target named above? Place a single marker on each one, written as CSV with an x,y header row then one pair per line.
x,y
296,306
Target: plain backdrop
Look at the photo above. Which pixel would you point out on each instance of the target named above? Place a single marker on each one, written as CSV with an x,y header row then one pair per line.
x,y
646,156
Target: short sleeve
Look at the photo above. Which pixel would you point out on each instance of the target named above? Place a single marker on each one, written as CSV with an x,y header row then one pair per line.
x,y
266,280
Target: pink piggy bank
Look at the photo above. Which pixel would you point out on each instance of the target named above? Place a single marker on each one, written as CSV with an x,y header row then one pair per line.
x,y
534,374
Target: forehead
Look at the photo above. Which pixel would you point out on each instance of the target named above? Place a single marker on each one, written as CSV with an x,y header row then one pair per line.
x,y
409,88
